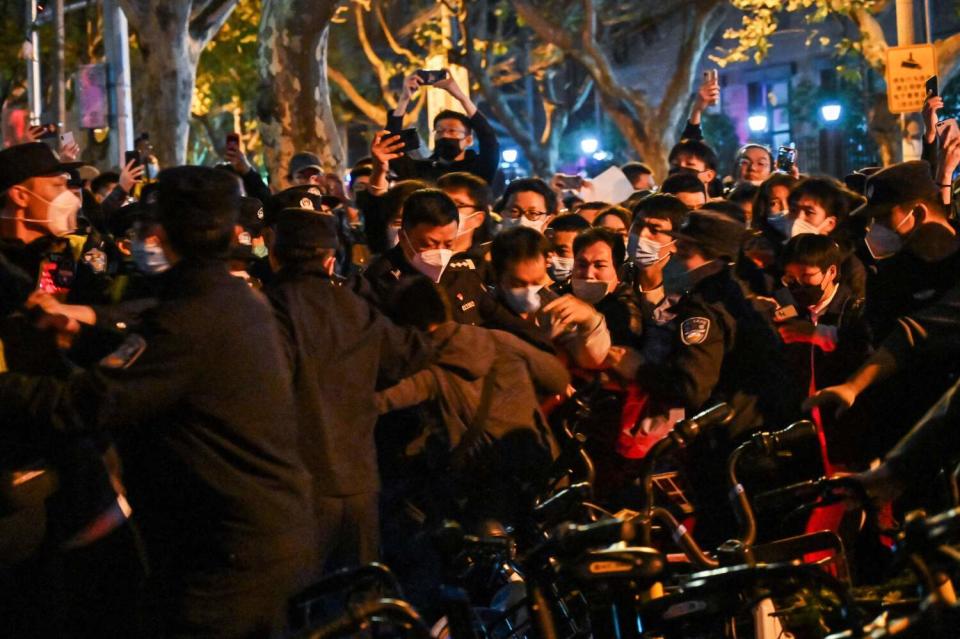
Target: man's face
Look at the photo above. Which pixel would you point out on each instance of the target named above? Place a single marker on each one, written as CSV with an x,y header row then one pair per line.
x,y
563,242
424,237
524,273
808,275
307,176
35,194
779,196
359,183
471,218
453,129
693,200
902,219
527,204
810,211
595,262
655,229
105,190
694,163
754,165
689,255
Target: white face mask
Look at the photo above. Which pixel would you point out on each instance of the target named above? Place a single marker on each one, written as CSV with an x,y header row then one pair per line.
x,y
463,222
525,299
431,262
883,242
590,291
802,226
647,252
536,225
560,268
393,236
61,213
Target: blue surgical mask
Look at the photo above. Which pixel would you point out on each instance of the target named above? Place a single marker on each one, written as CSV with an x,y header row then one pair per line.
x,y
149,260
560,268
524,299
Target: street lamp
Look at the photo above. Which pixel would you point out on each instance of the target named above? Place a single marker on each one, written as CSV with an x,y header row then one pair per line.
x,y
509,155
589,145
757,122
831,112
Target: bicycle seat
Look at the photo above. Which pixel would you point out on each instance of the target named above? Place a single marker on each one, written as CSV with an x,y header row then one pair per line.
x,y
643,566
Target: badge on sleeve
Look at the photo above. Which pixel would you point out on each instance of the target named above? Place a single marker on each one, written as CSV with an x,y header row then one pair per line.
x,y
694,330
127,354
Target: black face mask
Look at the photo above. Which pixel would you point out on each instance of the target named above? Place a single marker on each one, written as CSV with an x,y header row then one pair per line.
x,y
447,149
806,295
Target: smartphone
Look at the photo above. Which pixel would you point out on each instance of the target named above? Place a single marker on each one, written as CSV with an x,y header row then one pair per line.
x,y
785,313
947,130
131,156
786,158
933,88
710,75
570,182
233,140
66,139
410,139
432,76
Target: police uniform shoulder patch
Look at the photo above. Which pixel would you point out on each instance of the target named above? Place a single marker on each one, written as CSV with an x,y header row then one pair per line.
x,y
465,263
131,349
694,330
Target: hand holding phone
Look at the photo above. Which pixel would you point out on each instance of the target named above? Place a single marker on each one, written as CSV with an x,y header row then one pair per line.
x,y
932,85
429,77
710,88
786,158
233,141
66,139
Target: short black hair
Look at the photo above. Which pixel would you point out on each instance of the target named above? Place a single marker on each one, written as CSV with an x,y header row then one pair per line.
x,y
420,303
764,198
102,180
448,114
476,186
696,148
683,182
198,208
599,234
811,249
593,205
298,257
568,222
731,209
432,207
517,244
634,170
837,200
661,206
360,170
393,200
753,145
536,185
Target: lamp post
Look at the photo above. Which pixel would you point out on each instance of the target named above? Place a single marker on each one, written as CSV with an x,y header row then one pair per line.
x,y
831,144
589,145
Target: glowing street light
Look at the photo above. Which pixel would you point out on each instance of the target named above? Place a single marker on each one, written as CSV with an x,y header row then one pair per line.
x,y
509,155
831,112
757,122
589,145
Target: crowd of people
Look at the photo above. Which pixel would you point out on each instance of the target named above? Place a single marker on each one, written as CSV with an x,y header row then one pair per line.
x,y
213,393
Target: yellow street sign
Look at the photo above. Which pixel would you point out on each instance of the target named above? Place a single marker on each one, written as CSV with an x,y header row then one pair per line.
x,y
908,69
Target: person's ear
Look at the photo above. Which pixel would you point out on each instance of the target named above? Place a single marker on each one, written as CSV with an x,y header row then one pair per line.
x,y
835,273
829,225
920,211
19,196
710,175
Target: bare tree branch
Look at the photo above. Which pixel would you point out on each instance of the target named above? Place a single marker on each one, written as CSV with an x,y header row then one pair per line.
x,y
379,66
391,40
205,23
371,111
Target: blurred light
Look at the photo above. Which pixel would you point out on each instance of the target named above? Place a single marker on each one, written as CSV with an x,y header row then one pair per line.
x,y
509,155
831,112
589,145
600,156
757,123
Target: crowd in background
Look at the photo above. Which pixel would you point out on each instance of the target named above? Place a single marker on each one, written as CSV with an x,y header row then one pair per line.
x,y
212,393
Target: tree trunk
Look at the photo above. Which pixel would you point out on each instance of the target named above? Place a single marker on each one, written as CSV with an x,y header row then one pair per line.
x,y
294,105
172,35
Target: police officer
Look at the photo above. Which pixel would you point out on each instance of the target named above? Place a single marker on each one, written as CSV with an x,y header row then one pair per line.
x,y
328,331
200,396
427,234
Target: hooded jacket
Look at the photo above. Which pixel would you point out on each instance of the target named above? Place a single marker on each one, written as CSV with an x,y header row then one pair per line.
x,y
466,355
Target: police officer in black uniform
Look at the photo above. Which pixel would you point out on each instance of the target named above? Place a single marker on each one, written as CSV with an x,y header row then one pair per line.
x,y
430,223
340,349
200,398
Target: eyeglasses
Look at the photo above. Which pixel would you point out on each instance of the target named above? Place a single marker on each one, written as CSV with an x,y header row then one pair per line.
x,y
533,216
789,280
458,134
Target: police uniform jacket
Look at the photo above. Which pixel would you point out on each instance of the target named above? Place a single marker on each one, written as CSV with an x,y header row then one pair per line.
x,y
724,350
201,396
339,348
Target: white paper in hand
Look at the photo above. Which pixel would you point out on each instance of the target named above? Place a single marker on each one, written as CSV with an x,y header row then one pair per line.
x,y
611,186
